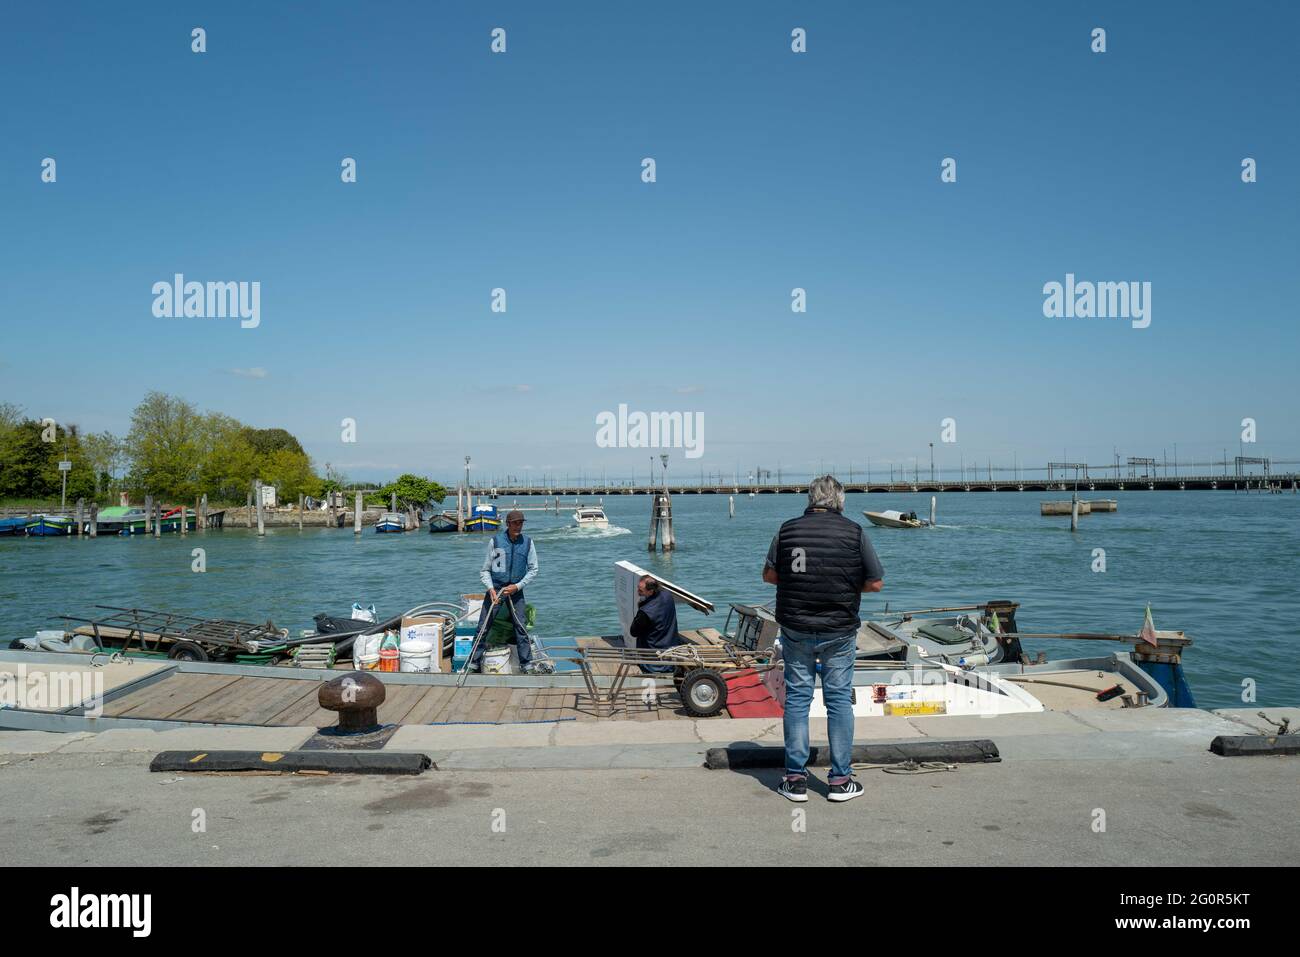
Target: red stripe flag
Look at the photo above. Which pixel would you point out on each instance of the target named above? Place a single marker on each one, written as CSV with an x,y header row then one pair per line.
x,y
1148,632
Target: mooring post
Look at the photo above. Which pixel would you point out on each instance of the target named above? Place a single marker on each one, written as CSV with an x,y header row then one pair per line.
x,y
356,517
934,502
94,520
731,506
261,520
185,524
157,518
202,521
148,514
1074,512
81,512
250,508
300,503
460,509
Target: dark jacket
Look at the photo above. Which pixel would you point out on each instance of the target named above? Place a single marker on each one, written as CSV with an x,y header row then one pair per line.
x,y
820,588
655,624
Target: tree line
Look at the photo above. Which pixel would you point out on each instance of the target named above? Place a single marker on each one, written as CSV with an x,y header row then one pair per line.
x,y
172,450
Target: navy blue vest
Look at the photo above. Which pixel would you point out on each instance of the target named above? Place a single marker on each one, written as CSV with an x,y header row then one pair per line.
x,y
823,592
661,609
514,558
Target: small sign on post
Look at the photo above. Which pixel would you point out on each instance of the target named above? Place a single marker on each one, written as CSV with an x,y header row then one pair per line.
x,y
64,468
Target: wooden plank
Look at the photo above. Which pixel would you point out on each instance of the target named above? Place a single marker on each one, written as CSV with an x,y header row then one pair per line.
x,y
462,704
293,692
399,701
427,709
515,705
234,702
166,697
490,705
712,636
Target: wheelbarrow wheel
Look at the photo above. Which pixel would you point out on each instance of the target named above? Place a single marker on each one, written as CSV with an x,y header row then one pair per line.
x,y
704,693
187,651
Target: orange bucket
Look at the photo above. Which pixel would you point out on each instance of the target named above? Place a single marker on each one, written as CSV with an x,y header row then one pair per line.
x,y
388,659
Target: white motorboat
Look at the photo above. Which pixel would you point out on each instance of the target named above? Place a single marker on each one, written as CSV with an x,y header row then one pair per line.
x,y
892,518
591,516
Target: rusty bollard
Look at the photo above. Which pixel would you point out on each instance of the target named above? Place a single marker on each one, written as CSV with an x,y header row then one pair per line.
x,y
356,696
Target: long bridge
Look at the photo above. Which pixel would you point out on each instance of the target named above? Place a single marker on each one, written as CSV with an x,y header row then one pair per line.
x,y
1279,481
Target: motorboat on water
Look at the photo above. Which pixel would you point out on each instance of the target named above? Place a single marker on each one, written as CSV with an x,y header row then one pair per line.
x,y
40,526
483,518
130,520
892,518
391,522
591,516
13,526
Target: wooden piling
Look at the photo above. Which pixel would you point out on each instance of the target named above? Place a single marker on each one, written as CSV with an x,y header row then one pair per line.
x,y
148,514
300,507
94,520
1074,513
157,519
184,527
201,522
731,506
81,516
249,519
261,520
356,517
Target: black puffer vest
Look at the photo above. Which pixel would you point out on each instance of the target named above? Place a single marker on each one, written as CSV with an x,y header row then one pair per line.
x,y
824,597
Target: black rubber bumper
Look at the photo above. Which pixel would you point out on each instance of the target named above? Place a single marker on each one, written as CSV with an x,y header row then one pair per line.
x,y
953,752
1245,746
289,762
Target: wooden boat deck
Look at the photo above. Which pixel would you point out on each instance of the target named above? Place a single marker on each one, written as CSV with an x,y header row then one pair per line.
x,y
265,701
242,699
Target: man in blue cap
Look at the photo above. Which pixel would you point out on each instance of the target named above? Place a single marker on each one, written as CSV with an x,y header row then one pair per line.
x,y
511,563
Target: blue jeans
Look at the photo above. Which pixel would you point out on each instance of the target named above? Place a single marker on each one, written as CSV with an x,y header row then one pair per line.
x,y
801,651
522,644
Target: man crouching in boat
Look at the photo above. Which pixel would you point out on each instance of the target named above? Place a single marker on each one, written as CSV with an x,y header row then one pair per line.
x,y
511,563
820,563
655,624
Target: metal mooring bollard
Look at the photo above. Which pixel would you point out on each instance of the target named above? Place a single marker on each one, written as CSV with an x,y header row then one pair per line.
x,y
356,696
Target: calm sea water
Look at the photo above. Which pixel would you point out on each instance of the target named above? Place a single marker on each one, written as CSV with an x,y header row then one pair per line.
x,y
1223,567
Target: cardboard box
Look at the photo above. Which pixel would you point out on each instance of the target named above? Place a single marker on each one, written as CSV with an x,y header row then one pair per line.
x,y
427,629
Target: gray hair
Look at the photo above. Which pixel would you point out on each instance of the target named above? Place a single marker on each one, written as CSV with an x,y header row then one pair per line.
x,y
826,492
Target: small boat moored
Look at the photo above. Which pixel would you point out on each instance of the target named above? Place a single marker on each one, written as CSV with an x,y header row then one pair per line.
x,y
391,522
483,518
48,525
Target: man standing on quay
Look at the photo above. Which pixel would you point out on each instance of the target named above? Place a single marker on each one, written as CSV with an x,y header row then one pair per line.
x,y
820,563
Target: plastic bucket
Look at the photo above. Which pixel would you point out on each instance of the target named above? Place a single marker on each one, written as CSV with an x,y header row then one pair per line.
x,y
388,659
367,662
416,656
496,661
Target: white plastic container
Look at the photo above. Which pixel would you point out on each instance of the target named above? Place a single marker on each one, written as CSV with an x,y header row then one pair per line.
x,y
416,656
496,661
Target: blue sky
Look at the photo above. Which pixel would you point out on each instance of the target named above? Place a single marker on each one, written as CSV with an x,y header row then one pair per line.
x,y
775,170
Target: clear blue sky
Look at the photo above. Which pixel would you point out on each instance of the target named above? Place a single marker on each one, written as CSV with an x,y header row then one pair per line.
x,y
775,170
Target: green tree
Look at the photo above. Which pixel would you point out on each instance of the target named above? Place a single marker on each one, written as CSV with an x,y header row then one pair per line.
x,y
165,444
414,491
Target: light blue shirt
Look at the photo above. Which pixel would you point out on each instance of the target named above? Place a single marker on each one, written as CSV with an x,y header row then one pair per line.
x,y
485,575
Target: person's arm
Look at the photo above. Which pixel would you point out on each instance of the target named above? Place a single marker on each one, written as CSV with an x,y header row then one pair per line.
x,y
641,625
769,566
875,572
485,575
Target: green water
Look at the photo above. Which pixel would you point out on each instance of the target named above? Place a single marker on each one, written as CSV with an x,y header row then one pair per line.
x,y
1221,566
